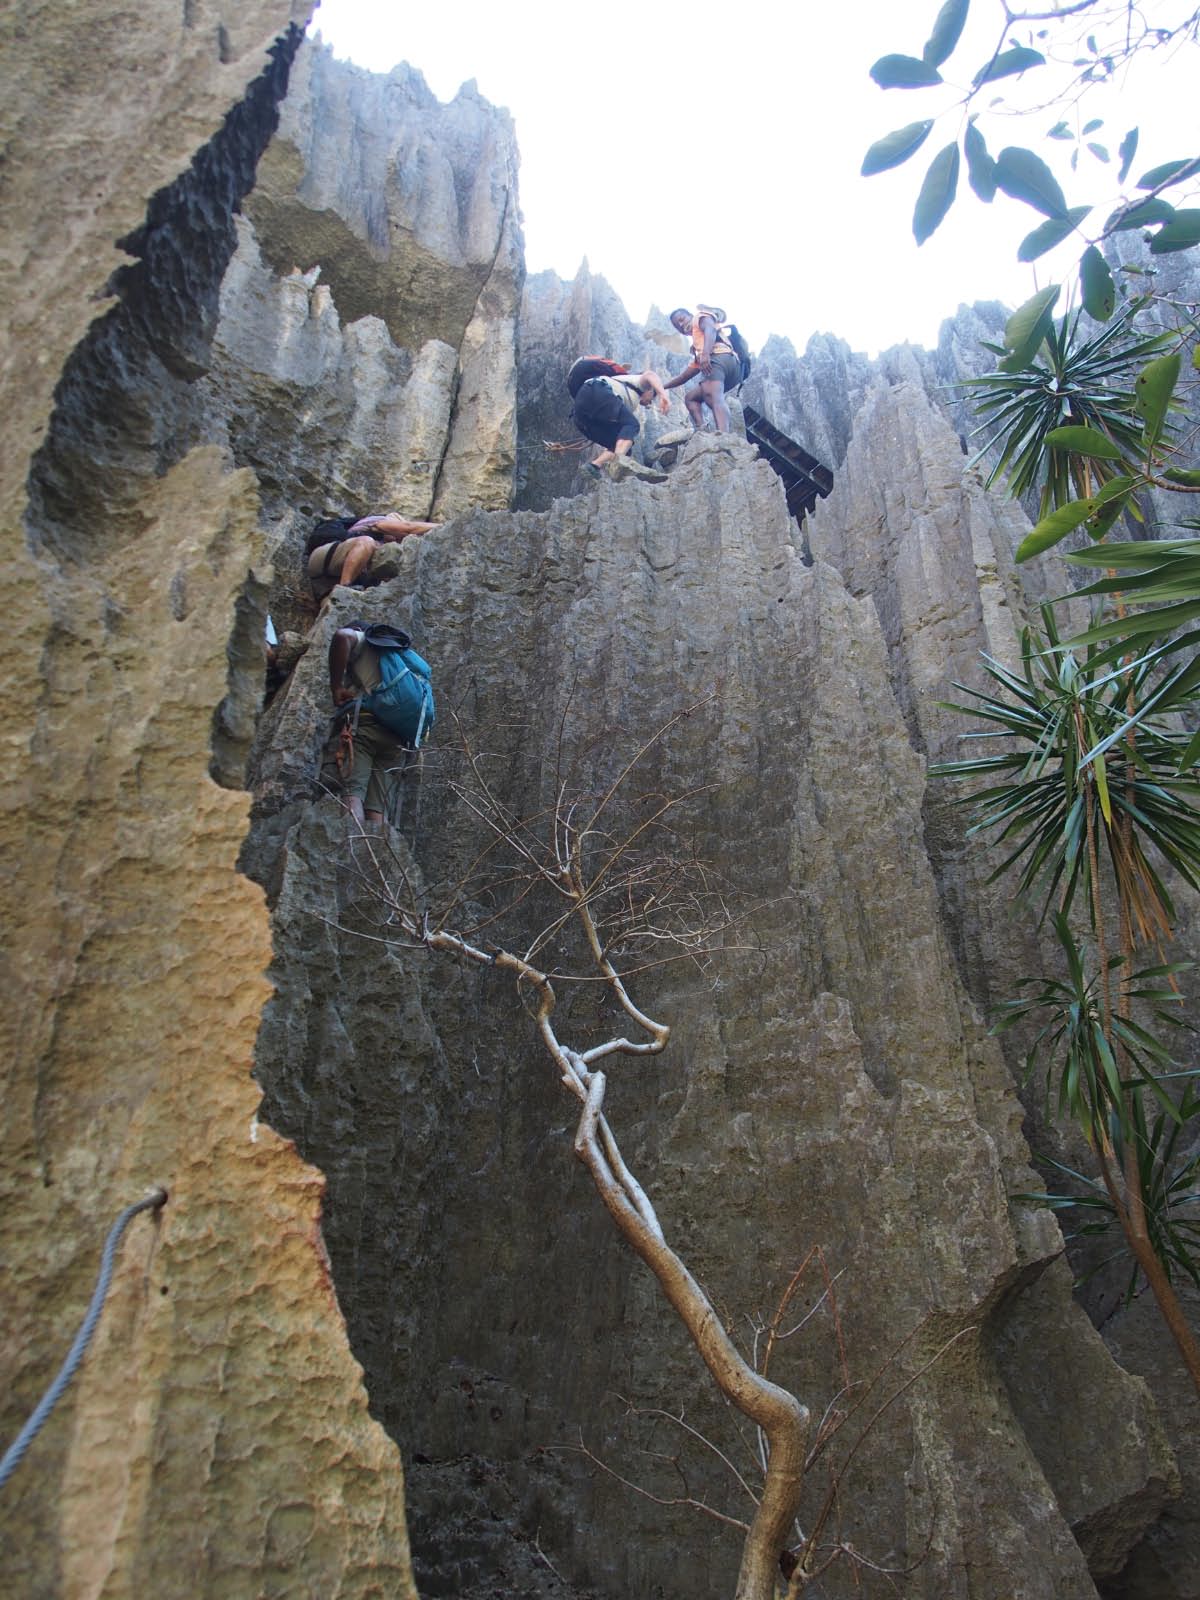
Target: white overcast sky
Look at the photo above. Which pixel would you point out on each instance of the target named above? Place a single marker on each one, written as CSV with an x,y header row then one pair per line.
x,y
711,151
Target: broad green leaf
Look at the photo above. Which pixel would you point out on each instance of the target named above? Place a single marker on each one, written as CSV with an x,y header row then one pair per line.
x,y
1049,233
1050,530
1126,153
1169,172
1186,475
947,27
981,169
1060,131
1098,150
1110,502
1180,233
1139,215
1083,441
1107,513
1090,127
1018,59
1115,487
1101,771
1027,327
1192,754
1152,394
1026,177
1163,620
904,72
1142,553
1096,285
1172,588
895,147
937,193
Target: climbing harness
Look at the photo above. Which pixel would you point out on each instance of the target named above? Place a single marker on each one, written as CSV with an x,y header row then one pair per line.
x,y
11,1460
345,749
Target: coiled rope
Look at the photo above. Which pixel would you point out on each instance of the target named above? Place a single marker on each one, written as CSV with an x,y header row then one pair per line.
x,y
155,1200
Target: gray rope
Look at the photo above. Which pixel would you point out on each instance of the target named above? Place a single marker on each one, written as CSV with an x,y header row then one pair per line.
x,y
12,1456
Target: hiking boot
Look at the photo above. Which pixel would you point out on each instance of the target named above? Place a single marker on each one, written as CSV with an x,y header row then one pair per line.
x,y
627,467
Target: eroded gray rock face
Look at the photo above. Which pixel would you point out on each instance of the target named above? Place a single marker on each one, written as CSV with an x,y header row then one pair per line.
x,y
409,209
1163,1565
837,1089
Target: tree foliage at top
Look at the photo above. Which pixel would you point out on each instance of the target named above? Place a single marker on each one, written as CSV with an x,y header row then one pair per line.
x,y
1079,47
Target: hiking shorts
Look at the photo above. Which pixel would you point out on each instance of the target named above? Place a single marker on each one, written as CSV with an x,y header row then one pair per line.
x,y
602,417
728,368
379,759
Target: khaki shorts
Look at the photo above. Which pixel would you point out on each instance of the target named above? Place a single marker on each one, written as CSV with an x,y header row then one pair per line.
x,y
325,565
379,759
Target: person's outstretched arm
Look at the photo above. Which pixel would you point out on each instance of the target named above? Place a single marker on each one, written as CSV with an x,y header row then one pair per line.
x,y
653,382
389,527
688,372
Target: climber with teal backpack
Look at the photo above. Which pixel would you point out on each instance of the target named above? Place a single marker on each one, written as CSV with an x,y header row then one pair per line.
x,y
384,697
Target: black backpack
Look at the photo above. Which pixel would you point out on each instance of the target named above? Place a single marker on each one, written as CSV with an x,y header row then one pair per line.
x,y
740,348
330,530
592,367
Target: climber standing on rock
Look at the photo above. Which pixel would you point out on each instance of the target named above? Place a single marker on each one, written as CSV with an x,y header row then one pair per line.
x,y
339,549
714,359
607,397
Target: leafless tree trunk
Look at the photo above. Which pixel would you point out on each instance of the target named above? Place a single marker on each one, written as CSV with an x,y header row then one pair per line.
x,y
585,867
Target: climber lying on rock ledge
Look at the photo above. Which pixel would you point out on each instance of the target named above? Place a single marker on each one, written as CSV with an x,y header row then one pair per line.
x,y
338,551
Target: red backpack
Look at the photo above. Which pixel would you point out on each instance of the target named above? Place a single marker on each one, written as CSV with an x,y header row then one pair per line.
x,y
592,367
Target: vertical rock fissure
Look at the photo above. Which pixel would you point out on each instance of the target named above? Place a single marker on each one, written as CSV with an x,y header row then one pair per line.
x,y
126,407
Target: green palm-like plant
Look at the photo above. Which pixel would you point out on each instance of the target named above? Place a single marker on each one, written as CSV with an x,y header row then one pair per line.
x,y
1170,1184
1087,801
1073,1043
1073,381
1066,789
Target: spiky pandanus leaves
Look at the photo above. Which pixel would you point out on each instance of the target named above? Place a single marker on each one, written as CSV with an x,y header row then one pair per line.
x,y
1170,1187
1069,380
1065,764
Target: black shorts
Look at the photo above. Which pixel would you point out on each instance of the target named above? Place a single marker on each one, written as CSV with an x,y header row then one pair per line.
x,y
728,368
602,416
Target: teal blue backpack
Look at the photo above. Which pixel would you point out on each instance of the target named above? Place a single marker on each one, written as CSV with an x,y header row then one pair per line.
x,y
403,701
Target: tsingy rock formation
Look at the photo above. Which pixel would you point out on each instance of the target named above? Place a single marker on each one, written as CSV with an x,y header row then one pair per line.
x,y
358,333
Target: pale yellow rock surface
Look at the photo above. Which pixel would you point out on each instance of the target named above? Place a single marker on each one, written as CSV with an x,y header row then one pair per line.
x,y
217,1441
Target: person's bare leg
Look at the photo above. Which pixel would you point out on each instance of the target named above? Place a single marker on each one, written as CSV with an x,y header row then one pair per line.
x,y
356,559
694,401
713,390
624,446
355,807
